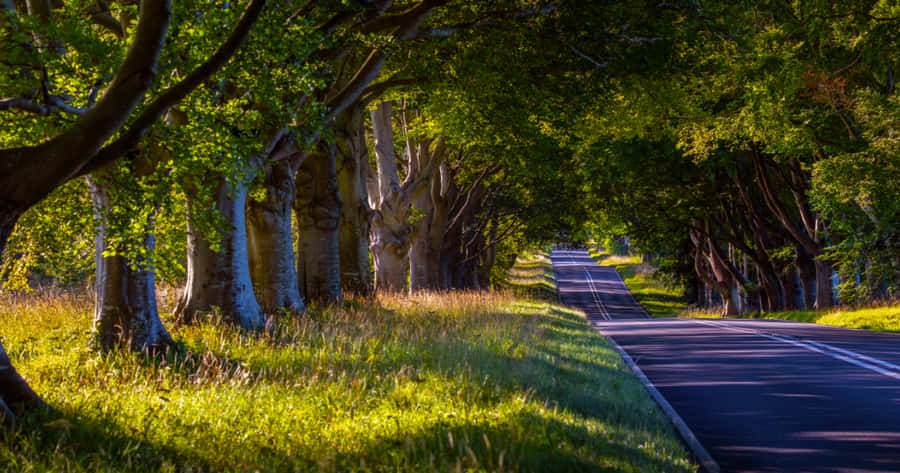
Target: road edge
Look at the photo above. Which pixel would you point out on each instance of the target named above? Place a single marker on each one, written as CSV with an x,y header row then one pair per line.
x,y
706,461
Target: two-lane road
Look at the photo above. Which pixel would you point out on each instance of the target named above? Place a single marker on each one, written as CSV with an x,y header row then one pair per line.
x,y
595,289
762,396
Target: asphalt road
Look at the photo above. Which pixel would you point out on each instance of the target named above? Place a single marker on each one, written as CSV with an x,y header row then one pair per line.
x,y
597,290
762,396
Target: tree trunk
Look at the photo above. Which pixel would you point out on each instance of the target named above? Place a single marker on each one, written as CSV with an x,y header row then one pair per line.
x,y
318,209
353,231
451,258
125,311
717,278
788,278
15,394
221,279
390,222
807,272
824,298
435,238
419,271
270,243
488,256
771,288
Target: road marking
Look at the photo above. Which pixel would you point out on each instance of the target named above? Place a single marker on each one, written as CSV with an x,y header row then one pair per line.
x,y
604,313
873,364
706,460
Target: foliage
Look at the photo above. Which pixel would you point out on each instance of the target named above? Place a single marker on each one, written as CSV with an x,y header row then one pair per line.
x,y
55,242
805,84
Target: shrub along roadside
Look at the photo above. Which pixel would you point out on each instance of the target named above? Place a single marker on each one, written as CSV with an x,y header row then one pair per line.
x,y
470,381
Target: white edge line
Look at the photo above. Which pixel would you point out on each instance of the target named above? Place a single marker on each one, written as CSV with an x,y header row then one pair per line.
x,y
853,354
847,356
700,453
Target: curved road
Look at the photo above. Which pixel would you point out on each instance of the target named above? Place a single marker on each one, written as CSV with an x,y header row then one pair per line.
x,y
761,396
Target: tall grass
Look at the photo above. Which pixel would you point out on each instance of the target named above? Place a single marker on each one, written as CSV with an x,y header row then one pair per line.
x,y
430,382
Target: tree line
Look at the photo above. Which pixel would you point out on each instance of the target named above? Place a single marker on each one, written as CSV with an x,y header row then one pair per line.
x,y
760,166
275,153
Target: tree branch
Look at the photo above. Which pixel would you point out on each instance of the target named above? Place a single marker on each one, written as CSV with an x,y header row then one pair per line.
x,y
130,139
54,104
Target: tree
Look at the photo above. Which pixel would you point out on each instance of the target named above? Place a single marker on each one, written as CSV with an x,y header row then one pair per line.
x,y
32,171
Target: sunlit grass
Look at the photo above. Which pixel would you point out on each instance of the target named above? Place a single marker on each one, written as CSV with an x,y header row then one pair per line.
x,y
432,382
657,298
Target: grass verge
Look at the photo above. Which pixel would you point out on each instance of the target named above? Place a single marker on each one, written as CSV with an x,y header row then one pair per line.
x,y
533,276
449,382
657,298
880,319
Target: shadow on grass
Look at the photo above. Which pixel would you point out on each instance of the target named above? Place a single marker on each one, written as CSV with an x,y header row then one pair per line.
x,y
526,442
55,441
544,291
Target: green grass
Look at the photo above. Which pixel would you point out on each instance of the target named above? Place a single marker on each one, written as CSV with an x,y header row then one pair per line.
x,y
533,276
449,382
657,298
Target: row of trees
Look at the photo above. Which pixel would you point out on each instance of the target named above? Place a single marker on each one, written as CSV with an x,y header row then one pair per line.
x,y
762,165
260,153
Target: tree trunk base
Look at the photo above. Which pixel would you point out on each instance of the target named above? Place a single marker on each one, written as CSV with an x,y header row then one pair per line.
x,y
15,394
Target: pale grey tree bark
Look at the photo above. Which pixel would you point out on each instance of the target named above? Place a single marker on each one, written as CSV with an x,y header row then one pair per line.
x,y
220,280
125,311
391,230
270,241
390,223
317,207
353,231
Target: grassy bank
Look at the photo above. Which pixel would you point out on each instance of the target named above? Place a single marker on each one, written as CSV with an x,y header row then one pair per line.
x,y
451,382
533,276
657,298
